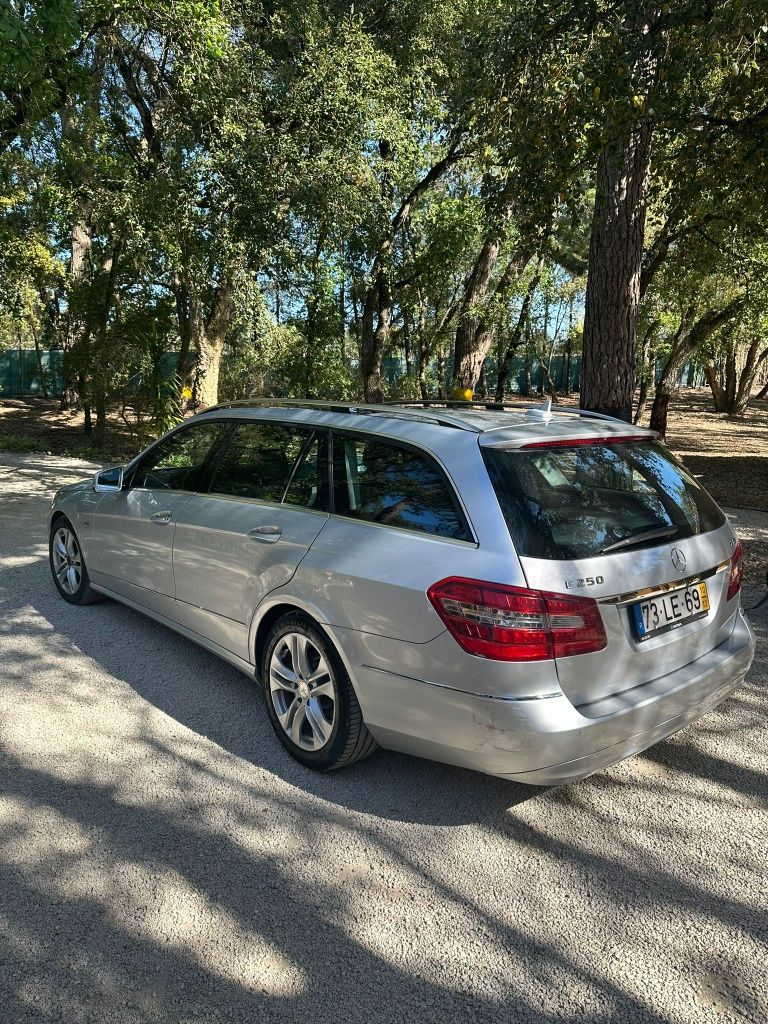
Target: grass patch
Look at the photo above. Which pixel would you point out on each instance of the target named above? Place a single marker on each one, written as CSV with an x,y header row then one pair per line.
x,y
23,444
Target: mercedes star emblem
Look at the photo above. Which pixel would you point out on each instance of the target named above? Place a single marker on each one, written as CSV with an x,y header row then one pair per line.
x,y
678,559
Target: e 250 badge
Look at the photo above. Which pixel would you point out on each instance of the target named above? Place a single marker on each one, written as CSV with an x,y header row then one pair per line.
x,y
585,581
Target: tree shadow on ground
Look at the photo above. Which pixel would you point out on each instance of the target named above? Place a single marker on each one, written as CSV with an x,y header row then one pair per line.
x,y
152,878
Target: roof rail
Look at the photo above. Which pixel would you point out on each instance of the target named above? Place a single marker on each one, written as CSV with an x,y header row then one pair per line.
x,y
492,406
382,409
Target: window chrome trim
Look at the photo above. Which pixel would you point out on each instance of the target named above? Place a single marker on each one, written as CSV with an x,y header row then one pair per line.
x,y
262,503
422,534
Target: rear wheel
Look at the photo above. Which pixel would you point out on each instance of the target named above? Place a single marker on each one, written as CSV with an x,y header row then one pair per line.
x,y
68,565
310,699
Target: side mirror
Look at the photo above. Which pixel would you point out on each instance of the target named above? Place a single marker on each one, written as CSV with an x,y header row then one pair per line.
x,y
108,479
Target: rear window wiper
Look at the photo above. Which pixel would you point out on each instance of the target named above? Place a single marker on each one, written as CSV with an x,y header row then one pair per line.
x,y
640,538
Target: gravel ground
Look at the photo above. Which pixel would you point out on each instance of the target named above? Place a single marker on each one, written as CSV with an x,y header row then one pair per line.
x,y
163,860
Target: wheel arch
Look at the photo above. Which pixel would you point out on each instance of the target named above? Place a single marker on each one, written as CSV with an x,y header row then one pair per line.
x,y
282,604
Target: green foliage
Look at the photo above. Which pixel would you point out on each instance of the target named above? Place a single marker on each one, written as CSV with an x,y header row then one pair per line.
x,y
232,175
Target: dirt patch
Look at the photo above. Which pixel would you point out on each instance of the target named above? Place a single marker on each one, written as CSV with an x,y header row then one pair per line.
x,y
728,453
40,425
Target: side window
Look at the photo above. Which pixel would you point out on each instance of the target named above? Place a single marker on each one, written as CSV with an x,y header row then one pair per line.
x,y
396,486
177,462
258,461
309,483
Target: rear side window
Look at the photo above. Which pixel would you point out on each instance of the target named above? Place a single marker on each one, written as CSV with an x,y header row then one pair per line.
x,y
582,501
258,460
385,483
177,462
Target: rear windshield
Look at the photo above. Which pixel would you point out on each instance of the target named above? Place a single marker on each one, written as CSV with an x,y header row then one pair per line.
x,y
581,501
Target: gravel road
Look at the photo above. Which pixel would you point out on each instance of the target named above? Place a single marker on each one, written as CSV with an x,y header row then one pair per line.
x,y
163,860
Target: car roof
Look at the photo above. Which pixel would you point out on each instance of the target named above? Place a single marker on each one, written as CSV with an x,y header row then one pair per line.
x,y
496,425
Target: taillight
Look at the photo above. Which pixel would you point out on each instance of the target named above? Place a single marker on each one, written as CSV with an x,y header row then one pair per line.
x,y
737,573
514,624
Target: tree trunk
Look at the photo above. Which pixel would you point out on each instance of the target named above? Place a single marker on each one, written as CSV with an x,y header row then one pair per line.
x,y
689,336
647,370
377,308
441,372
474,333
716,386
733,394
613,279
206,390
210,343
377,319
184,318
468,359
39,358
407,349
517,334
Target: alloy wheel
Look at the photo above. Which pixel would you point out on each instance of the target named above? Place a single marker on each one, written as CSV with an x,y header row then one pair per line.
x,y
67,560
302,691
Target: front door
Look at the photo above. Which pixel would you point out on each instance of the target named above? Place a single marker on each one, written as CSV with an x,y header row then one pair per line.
x,y
134,527
266,505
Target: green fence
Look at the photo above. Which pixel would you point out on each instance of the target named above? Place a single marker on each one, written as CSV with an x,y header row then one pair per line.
x,y
20,373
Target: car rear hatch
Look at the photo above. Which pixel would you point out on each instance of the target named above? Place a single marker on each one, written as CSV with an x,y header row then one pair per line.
x,y
612,516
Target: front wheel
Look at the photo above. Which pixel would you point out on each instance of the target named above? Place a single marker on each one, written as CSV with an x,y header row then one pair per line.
x,y
310,699
68,565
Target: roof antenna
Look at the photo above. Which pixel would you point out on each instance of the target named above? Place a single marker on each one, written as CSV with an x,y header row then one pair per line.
x,y
543,412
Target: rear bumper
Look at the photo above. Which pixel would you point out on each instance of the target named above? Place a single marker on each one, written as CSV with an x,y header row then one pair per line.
x,y
546,740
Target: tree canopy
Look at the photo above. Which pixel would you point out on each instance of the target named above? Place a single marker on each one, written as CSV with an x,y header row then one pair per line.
x,y
290,198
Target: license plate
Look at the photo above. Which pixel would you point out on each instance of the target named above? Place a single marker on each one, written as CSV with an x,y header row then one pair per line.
x,y
659,614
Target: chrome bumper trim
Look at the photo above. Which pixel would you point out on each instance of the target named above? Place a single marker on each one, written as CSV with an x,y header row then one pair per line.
x,y
664,588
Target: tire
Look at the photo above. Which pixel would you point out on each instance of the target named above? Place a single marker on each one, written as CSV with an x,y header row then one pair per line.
x,y
68,564
313,707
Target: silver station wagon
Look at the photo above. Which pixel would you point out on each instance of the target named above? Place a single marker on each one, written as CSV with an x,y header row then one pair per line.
x,y
534,593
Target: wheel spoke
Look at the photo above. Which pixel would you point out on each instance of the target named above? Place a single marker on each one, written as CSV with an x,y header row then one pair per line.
x,y
285,716
61,570
70,545
299,717
324,689
282,677
72,579
320,674
318,723
299,656
60,546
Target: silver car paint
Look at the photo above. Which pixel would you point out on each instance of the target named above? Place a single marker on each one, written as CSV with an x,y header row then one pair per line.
x,y
222,573
134,533
366,584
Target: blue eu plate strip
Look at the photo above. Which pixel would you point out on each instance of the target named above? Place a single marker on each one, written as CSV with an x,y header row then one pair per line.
x,y
639,624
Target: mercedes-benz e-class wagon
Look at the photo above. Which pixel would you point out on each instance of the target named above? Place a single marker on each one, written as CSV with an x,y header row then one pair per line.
x,y
536,593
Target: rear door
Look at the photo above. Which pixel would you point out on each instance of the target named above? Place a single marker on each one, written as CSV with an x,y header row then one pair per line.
x,y
626,525
134,527
266,503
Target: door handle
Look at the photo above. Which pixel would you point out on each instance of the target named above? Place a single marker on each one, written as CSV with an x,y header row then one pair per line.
x,y
266,534
161,517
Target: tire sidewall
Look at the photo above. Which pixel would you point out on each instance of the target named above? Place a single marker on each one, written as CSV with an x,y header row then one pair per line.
x,y
84,587
328,755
